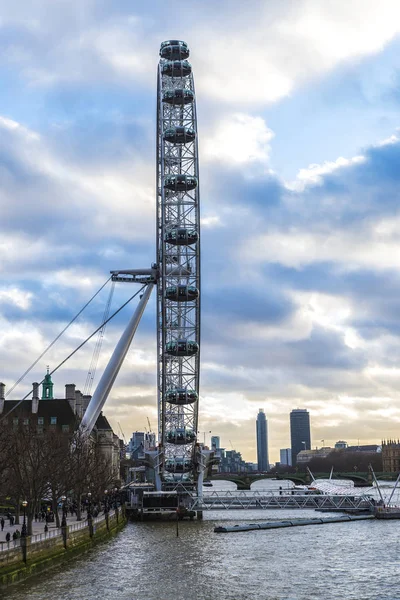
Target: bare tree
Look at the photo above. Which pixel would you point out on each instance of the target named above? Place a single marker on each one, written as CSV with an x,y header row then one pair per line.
x,y
27,472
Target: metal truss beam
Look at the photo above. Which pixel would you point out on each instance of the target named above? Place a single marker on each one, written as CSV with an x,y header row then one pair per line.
x,y
264,500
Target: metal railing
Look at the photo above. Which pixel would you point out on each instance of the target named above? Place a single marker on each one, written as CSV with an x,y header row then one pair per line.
x,y
10,545
111,513
78,525
260,500
41,537
52,533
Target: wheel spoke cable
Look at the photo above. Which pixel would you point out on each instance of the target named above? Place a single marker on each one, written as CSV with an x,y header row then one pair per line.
x,y
97,349
75,351
56,339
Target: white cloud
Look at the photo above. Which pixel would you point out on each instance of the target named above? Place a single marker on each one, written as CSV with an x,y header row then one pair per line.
x,y
351,249
290,43
238,139
257,58
19,298
314,174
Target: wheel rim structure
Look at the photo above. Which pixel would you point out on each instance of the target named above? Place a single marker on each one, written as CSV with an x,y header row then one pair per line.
x,y
178,258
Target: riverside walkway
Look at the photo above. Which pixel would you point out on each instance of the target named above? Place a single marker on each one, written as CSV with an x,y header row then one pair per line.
x,y
38,529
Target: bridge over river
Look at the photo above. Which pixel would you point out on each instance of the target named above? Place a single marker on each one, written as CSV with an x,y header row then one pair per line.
x,y
245,480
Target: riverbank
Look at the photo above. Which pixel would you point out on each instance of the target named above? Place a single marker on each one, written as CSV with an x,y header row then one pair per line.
x,y
35,554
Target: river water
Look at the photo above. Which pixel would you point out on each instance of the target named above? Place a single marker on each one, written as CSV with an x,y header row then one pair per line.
x,y
147,561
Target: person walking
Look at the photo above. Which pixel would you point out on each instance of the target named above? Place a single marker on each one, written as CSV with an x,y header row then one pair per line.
x,y
2,523
8,537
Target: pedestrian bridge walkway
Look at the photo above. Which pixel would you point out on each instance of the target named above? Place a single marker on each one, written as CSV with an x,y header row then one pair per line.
x,y
242,500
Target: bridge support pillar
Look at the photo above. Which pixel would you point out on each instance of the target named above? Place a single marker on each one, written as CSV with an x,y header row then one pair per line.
x,y
199,515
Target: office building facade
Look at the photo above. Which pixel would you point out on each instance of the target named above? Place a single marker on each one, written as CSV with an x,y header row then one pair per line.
x,y
300,435
262,441
285,456
215,442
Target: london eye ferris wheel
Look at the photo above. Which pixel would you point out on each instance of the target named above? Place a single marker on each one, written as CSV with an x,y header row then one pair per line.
x,y
178,262
178,460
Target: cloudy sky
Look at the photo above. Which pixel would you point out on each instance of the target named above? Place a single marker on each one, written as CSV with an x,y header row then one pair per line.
x,y
298,109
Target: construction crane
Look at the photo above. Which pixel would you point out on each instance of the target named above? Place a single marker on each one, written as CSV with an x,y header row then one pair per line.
x,y
123,435
148,421
231,444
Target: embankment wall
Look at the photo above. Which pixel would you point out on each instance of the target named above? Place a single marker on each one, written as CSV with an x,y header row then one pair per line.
x,y
30,558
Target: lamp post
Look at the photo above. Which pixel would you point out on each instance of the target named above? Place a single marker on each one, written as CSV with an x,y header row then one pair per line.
x,y
24,533
64,516
106,508
23,530
89,514
116,503
64,521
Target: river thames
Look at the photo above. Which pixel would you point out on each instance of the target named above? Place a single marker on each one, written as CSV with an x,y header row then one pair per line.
x,y
147,561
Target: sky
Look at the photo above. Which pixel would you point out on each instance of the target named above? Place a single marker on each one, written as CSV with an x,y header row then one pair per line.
x,y
298,117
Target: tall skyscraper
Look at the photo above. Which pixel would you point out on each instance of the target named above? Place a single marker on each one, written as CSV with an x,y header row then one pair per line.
x,y
262,441
300,436
215,442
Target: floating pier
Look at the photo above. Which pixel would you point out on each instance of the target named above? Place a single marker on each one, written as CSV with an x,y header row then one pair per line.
x,y
291,523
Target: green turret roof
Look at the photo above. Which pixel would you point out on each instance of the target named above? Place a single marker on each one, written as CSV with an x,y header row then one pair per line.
x,y
47,387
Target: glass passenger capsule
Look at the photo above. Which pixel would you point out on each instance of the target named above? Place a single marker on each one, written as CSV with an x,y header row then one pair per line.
x,y
178,465
178,97
181,436
181,396
179,135
175,477
174,50
182,348
180,183
176,68
182,293
181,237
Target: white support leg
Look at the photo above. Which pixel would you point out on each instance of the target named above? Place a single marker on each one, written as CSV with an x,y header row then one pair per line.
x,y
107,380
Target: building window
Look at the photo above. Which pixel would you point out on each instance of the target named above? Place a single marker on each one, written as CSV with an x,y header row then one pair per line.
x,y
53,420
26,421
15,421
65,428
40,420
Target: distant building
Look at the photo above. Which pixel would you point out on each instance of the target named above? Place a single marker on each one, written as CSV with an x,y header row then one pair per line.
x,y
340,445
215,442
150,441
300,435
62,414
140,443
232,462
367,448
285,455
136,440
391,456
305,456
250,466
262,441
